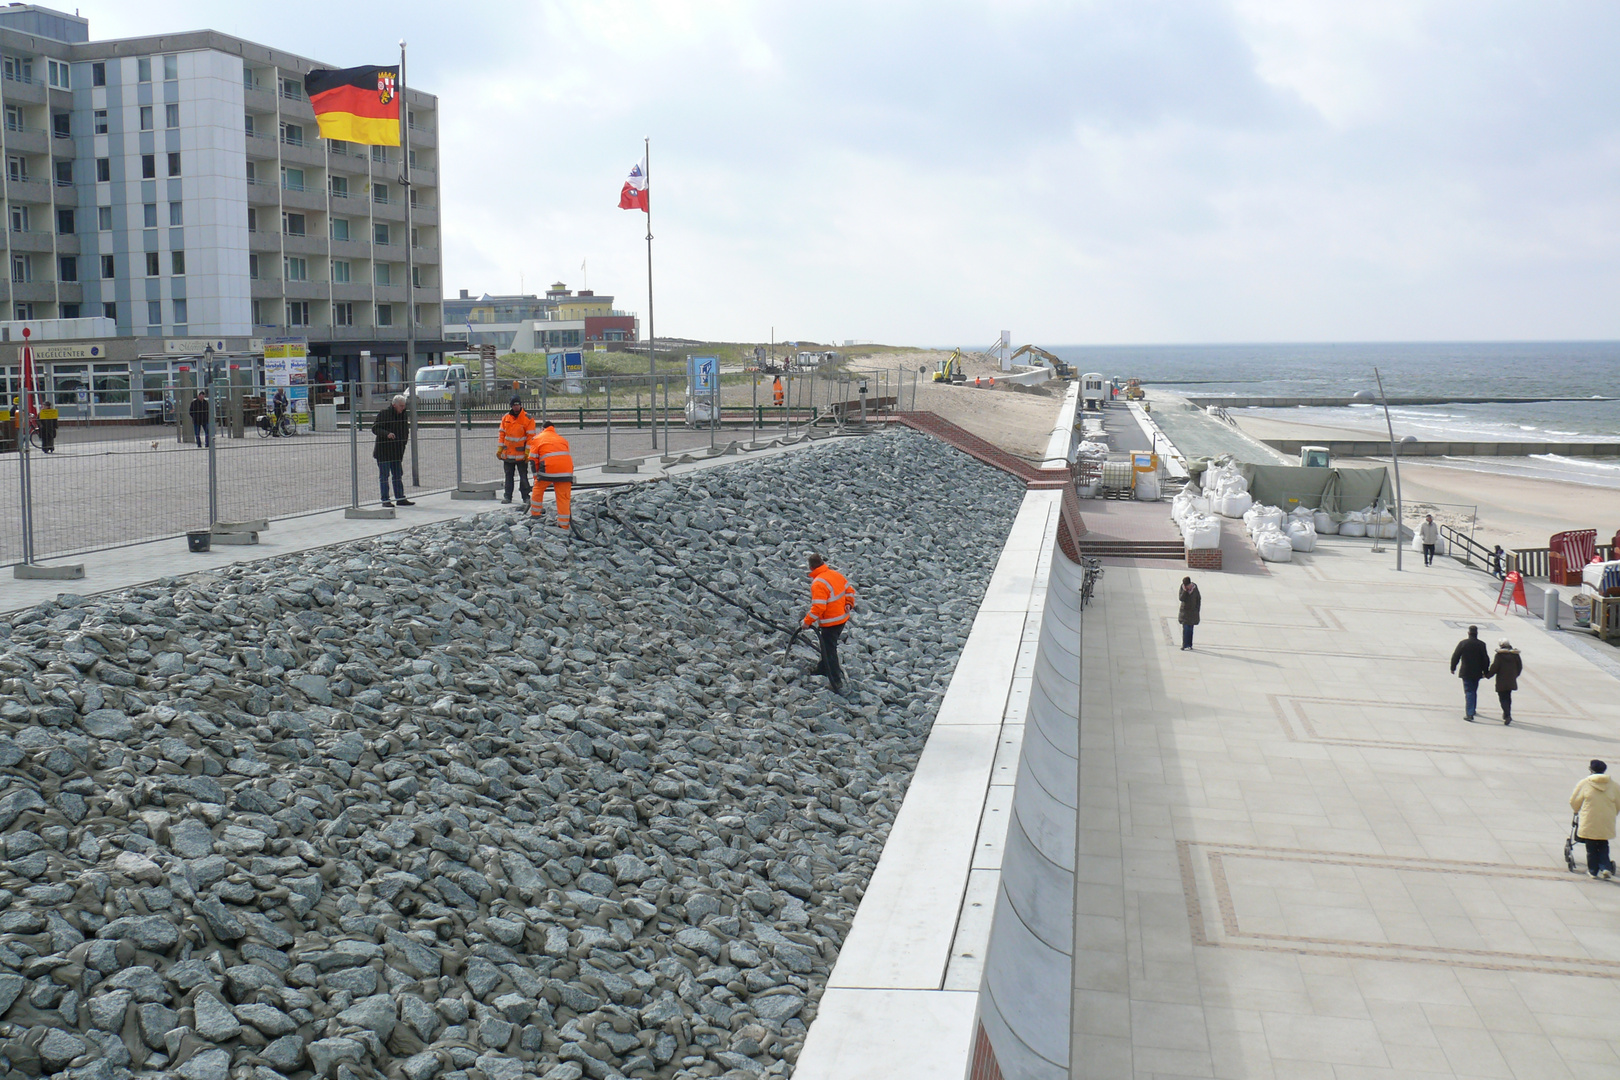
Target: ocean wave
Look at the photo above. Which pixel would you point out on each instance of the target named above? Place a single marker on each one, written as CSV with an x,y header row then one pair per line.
x,y
1584,463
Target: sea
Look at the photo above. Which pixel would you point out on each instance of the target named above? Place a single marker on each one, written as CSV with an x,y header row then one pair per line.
x,y
1588,372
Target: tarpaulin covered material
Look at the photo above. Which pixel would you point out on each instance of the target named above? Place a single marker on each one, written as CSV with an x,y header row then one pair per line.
x,y
1334,490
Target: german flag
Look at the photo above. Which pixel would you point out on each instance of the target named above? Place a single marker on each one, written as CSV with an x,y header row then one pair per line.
x,y
358,105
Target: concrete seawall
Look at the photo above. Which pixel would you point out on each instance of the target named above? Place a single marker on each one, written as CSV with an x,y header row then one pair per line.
x,y
1380,448
1246,402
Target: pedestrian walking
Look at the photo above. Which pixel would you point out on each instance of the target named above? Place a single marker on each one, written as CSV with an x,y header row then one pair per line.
x,y
517,428
393,430
832,599
1596,801
200,427
1429,534
1187,615
776,391
1470,660
48,419
1506,666
1497,558
553,459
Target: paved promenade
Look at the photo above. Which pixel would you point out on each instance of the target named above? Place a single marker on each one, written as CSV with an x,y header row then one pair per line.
x,y
1297,861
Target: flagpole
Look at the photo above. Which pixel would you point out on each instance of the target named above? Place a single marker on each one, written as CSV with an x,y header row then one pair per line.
x,y
646,206
410,262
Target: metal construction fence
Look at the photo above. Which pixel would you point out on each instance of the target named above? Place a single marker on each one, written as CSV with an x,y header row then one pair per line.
x,y
108,485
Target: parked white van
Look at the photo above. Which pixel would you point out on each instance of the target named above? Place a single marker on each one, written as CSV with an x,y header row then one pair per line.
x,y
437,382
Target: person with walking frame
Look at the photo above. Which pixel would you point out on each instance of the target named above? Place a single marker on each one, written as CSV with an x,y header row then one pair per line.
x,y
1596,802
832,600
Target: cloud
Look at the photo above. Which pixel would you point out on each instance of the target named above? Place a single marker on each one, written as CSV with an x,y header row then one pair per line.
x,y
1077,172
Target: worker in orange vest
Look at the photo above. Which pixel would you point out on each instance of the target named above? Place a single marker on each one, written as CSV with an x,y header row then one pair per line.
x,y
517,428
776,390
832,599
553,461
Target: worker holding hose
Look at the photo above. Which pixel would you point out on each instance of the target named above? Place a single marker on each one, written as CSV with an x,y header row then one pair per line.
x,y
832,599
553,467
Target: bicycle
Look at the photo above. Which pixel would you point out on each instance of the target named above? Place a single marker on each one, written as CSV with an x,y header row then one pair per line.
x,y
1093,571
278,426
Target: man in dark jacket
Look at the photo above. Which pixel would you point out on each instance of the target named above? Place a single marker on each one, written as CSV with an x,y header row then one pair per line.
x,y
199,419
393,430
1506,666
1471,660
1187,616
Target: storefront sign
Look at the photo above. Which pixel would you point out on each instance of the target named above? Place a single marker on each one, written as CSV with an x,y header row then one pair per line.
x,y
69,352
192,346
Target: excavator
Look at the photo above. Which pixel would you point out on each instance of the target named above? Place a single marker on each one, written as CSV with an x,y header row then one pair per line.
x,y
1061,368
949,370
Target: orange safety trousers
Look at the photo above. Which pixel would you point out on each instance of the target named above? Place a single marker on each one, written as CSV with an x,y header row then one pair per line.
x,y
537,499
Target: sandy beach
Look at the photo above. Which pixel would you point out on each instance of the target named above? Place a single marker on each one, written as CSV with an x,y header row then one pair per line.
x,y
1512,511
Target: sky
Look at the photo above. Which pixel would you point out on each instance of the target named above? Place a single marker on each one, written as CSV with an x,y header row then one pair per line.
x,y
1076,173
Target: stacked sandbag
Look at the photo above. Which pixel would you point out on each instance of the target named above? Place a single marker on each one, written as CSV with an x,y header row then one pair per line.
x,y
1263,517
1381,523
1353,523
1200,532
1188,501
1301,534
1228,491
1324,523
1265,525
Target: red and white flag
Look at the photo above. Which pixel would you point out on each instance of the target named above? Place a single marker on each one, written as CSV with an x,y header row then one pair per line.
x,y
633,196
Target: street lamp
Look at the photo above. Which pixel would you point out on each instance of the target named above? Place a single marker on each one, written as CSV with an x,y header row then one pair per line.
x,y
1394,454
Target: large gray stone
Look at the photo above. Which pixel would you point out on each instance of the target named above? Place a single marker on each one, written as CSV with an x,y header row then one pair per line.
x,y
214,1020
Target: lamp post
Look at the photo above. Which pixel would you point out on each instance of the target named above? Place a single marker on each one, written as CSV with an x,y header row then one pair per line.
x,y
213,429
1394,455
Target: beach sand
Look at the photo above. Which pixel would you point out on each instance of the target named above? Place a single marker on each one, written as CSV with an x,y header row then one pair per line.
x,y
1513,511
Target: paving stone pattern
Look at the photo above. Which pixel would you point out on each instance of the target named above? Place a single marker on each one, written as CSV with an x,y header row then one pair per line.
x,y
476,801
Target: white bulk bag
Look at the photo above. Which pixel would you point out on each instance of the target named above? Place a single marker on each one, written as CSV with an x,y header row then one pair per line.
x,y
1233,505
1439,544
1263,517
1349,527
1273,546
1180,506
1200,532
1147,487
1388,531
1301,536
1324,524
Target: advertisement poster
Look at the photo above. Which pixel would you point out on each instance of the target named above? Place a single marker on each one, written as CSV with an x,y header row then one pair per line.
x,y
286,363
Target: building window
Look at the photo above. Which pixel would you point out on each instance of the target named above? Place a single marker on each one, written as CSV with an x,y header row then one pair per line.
x,y
379,233
247,125
385,314
154,313
175,215
16,169
100,118
292,88
381,275
177,267
294,268
298,313
171,116
107,266
104,218
416,277
342,314
98,75
340,228
414,203
146,118
292,134
180,312
148,166
19,219
143,73
340,272
253,265
174,163
338,147
379,153
258,313
22,268
64,174
379,193
58,74
64,222
14,118
62,125
152,264
253,219
292,179
67,268
292,224
340,187
24,312
109,310
149,215
70,311
103,170
19,68
171,71
416,238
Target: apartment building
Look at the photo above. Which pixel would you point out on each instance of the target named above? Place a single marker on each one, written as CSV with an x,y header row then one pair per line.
x,y
528,323
175,186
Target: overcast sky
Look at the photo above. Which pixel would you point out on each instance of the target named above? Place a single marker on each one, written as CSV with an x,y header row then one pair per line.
x,y
1074,172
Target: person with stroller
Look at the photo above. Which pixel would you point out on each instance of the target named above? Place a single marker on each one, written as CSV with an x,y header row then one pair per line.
x,y
1596,803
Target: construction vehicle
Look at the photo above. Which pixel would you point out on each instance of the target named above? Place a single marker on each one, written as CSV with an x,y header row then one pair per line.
x,y
1061,368
1315,457
949,370
1093,391
1133,390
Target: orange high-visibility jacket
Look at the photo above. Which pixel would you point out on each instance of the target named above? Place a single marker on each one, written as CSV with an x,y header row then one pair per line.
x,y
516,431
550,453
831,597
776,390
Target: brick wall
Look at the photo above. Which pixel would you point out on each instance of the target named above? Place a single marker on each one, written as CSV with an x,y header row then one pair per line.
x,y
1204,559
984,1066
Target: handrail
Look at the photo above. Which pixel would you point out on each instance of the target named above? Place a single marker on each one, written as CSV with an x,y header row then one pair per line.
x,y
1470,547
